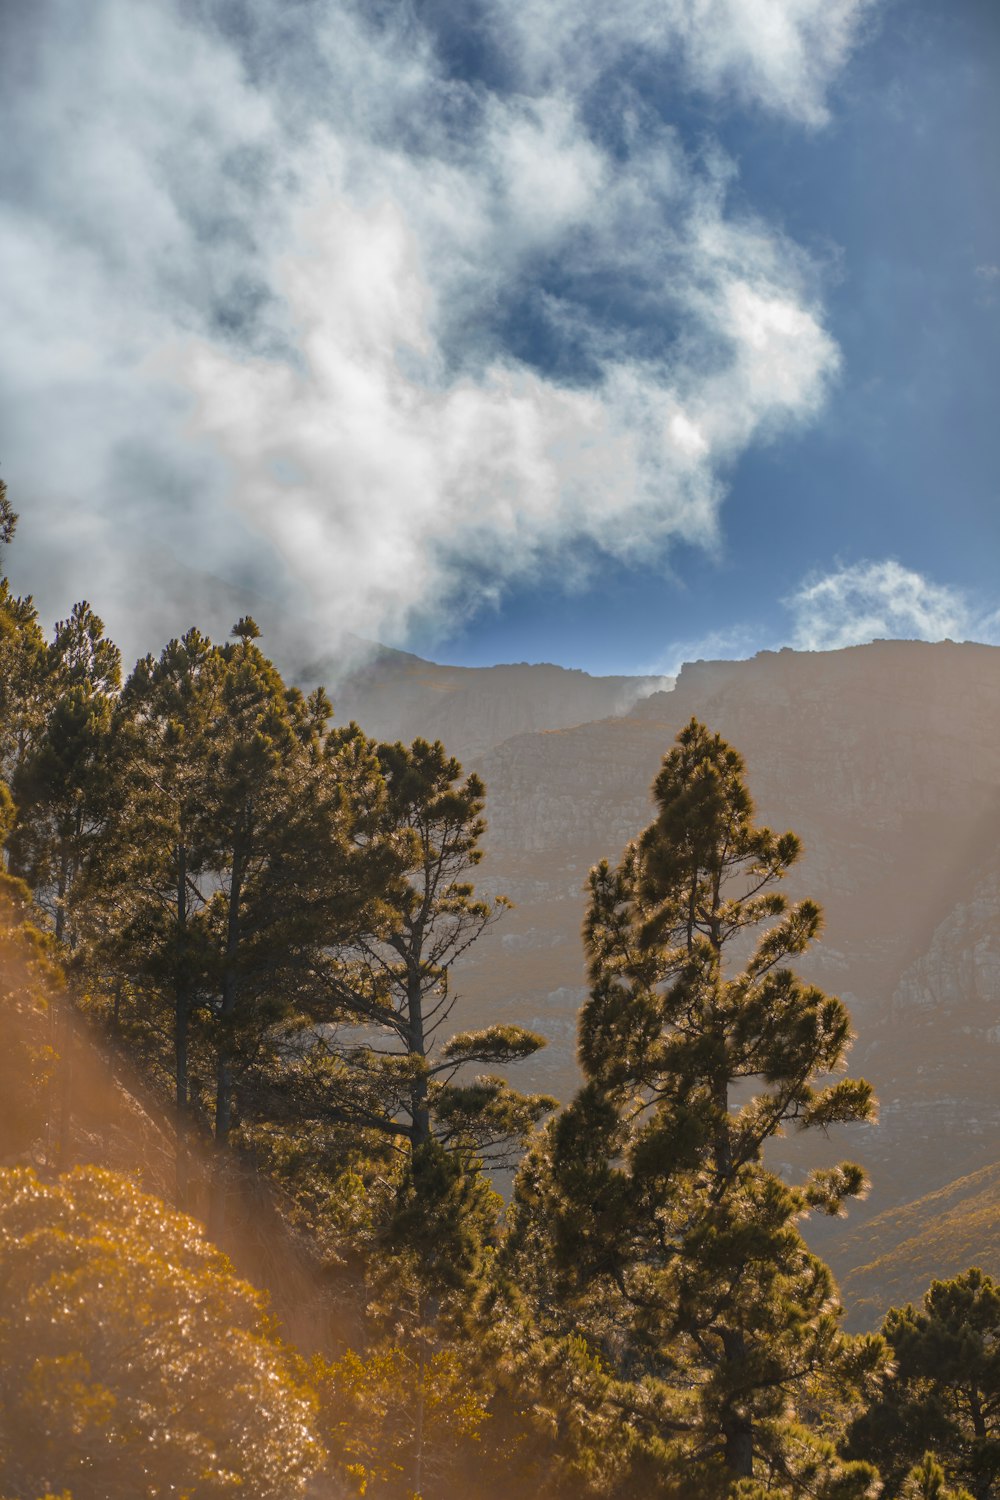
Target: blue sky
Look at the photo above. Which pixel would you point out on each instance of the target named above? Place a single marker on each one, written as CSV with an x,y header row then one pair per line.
x,y
609,337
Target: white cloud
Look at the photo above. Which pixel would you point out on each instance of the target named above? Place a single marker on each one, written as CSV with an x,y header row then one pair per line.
x,y
257,295
409,476
883,601
779,54
733,644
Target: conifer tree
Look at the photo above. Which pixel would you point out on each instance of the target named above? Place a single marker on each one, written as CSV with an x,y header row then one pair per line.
x,y
224,832
294,878
61,784
647,1204
149,879
391,991
23,662
942,1390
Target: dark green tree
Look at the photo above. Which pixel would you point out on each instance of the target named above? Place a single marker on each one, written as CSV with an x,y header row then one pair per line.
x,y
278,846
943,1389
387,1062
225,867
646,1215
61,783
149,879
23,662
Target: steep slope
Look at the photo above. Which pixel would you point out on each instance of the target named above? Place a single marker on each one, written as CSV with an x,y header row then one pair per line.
x,y
886,760
938,1236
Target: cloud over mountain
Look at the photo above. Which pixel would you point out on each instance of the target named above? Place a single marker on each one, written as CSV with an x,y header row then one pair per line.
x,y
882,600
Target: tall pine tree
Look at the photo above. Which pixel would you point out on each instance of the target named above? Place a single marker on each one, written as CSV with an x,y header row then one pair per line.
x,y
387,1063
61,784
648,1204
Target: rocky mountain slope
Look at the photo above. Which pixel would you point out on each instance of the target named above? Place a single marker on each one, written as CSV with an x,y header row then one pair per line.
x,y
394,695
885,759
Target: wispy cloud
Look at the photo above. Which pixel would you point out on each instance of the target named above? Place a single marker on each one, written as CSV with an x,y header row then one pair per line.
x,y
734,644
884,600
782,54
988,276
850,606
288,304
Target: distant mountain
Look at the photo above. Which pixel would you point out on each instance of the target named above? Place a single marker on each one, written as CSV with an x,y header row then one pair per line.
x,y
884,758
394,695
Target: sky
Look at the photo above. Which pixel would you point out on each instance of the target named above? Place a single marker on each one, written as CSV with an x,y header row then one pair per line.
x,y
607,335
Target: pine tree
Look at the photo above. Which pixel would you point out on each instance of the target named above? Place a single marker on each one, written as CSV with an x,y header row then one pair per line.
x,y
391,989
380,1067
943,1388
223,861
61,784
273,844
647,1209
23,662
148,882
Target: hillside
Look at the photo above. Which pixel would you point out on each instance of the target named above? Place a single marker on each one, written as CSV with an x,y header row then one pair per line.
x,y
886,760
935,1237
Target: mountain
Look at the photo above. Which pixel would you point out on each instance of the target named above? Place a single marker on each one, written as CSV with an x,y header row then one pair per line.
x,y
394,695
885,759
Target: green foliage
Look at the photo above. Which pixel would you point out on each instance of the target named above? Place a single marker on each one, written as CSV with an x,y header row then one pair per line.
x,y
943,1388
444,1217
132,1362
401,1421
23,678
393,981
54,719
647,1205
8,517
23,661
556,1430
927,1481
31,994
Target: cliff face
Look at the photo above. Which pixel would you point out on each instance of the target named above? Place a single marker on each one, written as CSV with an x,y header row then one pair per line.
x,y
885,759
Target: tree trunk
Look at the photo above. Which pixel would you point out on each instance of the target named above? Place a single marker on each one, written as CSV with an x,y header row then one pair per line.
x,y
982,1488
61,898
419,1109
738,1432
182,1009
224,1077
737,1427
